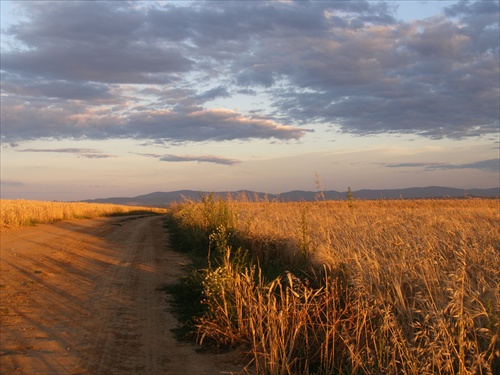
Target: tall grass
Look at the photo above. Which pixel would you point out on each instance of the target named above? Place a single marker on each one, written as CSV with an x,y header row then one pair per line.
x,y
18,213
382,287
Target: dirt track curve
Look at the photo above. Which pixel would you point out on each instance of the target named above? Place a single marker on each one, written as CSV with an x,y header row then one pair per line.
x,y
82,297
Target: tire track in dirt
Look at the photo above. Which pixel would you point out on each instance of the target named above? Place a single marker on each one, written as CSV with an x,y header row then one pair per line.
x,y
82,297
126,293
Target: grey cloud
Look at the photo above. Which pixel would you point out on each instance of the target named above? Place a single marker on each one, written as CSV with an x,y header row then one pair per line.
x,y
88,153
179,99
134,64
423,78
96,156
414,165
247,92
217,92
10,183
39,118
190,158
105,42
199,159
215,125
149,155
61,150
78,21
42,119
91,41
427,78
350,64
490,165
479,21
56,89
424,165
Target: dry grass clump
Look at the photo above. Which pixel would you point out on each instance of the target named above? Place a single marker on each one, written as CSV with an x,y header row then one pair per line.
x,y
19,213
383,287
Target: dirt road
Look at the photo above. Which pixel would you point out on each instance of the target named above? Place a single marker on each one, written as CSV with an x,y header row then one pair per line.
x,y
82,297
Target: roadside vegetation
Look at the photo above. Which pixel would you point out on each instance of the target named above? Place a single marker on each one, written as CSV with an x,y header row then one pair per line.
x,y
346,287
19,213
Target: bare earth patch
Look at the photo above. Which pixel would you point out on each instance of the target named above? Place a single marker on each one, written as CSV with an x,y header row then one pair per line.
x,y
82,297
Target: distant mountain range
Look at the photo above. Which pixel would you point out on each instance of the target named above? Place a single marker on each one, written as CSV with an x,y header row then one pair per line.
x,y
160,199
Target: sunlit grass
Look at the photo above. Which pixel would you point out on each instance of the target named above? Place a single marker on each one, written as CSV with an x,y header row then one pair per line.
x,y
19,213
383,287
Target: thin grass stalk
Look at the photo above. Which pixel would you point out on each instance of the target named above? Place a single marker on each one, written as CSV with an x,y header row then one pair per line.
x,y
409,305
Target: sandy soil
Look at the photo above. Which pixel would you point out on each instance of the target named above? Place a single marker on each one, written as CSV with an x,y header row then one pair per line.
x,y
82,297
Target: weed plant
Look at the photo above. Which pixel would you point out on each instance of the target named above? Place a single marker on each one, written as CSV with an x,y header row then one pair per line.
x,y
380,287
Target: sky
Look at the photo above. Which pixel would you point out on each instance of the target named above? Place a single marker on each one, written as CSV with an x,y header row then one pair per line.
x,y
104,99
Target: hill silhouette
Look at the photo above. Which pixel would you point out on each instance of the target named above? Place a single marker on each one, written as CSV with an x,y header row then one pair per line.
x,y
160,199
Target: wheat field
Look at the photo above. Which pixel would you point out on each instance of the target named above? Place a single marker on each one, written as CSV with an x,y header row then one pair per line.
x,y
380,287
18,213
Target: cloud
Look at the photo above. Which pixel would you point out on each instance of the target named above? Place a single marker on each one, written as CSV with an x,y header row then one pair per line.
x,y
217,92
426,77
10,183
13,84
414,165
99,41
490,165
61,150
199,159
88,153
213,124
42,119
96,156
189,158
142,70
